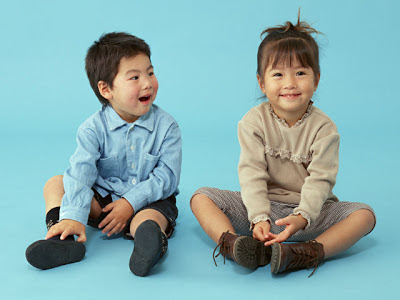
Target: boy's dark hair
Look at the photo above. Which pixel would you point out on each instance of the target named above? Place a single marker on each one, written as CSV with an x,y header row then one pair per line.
x,y
104,56
287,43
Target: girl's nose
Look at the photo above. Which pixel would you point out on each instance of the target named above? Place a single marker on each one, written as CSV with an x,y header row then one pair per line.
x,y
290,82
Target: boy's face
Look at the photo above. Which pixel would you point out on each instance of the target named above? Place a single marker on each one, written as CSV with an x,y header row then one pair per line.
x,y
134,88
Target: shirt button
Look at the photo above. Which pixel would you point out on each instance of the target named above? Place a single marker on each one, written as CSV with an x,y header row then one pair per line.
x,y
132,148
133,181
133,166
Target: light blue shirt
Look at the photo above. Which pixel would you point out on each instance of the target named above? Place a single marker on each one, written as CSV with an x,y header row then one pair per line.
x,y
138,161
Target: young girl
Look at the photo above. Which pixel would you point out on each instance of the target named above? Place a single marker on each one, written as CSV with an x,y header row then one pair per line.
x,y
287,169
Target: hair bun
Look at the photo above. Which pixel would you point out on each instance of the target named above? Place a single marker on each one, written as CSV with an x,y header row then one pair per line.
x,y
301,26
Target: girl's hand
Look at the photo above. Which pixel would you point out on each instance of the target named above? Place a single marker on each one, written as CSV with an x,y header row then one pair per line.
x,y
261,231
68,227
120,212
292,223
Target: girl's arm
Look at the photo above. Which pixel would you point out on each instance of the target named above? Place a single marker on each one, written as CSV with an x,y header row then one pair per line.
x,y
253,175
319,184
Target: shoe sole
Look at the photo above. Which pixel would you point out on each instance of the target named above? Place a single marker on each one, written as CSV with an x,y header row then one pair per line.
x,y
276,258
250,253
147,248
47,254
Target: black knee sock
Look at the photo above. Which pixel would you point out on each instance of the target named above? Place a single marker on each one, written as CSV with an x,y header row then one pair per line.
x,y
52,218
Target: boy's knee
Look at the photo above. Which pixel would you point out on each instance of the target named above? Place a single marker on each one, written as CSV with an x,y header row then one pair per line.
x,y
53,182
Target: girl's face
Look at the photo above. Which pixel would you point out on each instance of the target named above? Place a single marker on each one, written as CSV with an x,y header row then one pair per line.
x,y
289,89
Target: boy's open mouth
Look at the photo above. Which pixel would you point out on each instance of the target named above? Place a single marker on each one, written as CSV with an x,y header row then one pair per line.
x,y
144,98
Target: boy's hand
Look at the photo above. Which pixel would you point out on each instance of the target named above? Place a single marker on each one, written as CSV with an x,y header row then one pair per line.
x,y
292,223
120,212
261,230
68,227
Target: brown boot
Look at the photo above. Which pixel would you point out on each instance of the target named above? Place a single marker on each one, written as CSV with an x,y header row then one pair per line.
x,y
244,250
287,257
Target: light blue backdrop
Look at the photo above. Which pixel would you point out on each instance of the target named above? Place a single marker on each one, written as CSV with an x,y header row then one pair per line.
x,y
204,53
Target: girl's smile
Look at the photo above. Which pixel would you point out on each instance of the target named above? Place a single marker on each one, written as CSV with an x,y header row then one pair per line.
x,y
289,89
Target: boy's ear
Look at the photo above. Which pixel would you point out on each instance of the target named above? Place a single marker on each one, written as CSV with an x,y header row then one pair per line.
x,y
104,90
261,83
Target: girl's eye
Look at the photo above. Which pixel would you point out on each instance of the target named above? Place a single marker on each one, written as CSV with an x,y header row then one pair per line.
x,y
277,75
151,73
300,73
135,78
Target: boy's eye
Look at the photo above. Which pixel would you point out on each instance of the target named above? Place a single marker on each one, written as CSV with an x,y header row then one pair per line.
x,y
277,75
151,73
135,78
300,73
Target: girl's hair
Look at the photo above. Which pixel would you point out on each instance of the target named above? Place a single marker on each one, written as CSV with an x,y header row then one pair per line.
x,y
288,43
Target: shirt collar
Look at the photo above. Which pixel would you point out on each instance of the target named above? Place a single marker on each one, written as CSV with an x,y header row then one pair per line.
x,y
114,121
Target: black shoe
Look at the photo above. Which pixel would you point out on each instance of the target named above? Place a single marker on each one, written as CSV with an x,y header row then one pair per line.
x,y
150,245
47,254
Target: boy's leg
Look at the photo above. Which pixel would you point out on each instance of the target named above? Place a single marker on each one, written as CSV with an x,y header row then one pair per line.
x,y
244,250
148,229
46,254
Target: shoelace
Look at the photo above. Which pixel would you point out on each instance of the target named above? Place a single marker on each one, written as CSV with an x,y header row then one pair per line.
x,y
308,258
223,248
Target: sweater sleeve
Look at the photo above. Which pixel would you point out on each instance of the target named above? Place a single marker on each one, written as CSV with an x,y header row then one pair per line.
x,y
318,185
253,175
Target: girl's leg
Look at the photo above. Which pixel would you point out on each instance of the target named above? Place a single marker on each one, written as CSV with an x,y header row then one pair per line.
x,y
346,233
336,239
244,250
210,217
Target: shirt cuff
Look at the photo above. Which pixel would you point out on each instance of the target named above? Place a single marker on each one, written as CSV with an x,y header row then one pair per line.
x,y
259,219
74,213
304,214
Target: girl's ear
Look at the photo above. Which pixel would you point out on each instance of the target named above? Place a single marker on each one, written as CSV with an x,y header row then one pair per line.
x,y
104,90
261,83
317,81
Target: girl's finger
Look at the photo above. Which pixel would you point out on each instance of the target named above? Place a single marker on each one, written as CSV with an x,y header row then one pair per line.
x,y
273,236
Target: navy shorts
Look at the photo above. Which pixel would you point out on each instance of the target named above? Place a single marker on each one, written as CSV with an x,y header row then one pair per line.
x,y
167,207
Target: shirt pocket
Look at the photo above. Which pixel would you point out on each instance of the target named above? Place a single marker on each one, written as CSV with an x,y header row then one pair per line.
x,y
108,167
149,163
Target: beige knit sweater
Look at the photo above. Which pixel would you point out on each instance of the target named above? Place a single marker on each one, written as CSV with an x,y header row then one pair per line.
x,y
296,165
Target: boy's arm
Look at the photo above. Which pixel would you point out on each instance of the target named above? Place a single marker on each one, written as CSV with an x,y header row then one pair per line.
x,y
80,177
163,181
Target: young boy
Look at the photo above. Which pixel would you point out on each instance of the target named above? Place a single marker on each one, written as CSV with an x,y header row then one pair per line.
x,y
124,174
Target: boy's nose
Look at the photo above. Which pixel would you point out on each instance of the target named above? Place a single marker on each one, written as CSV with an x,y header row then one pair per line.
x,y
147,83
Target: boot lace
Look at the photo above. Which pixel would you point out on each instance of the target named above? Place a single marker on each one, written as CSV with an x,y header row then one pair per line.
x,y
224,248
308,258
